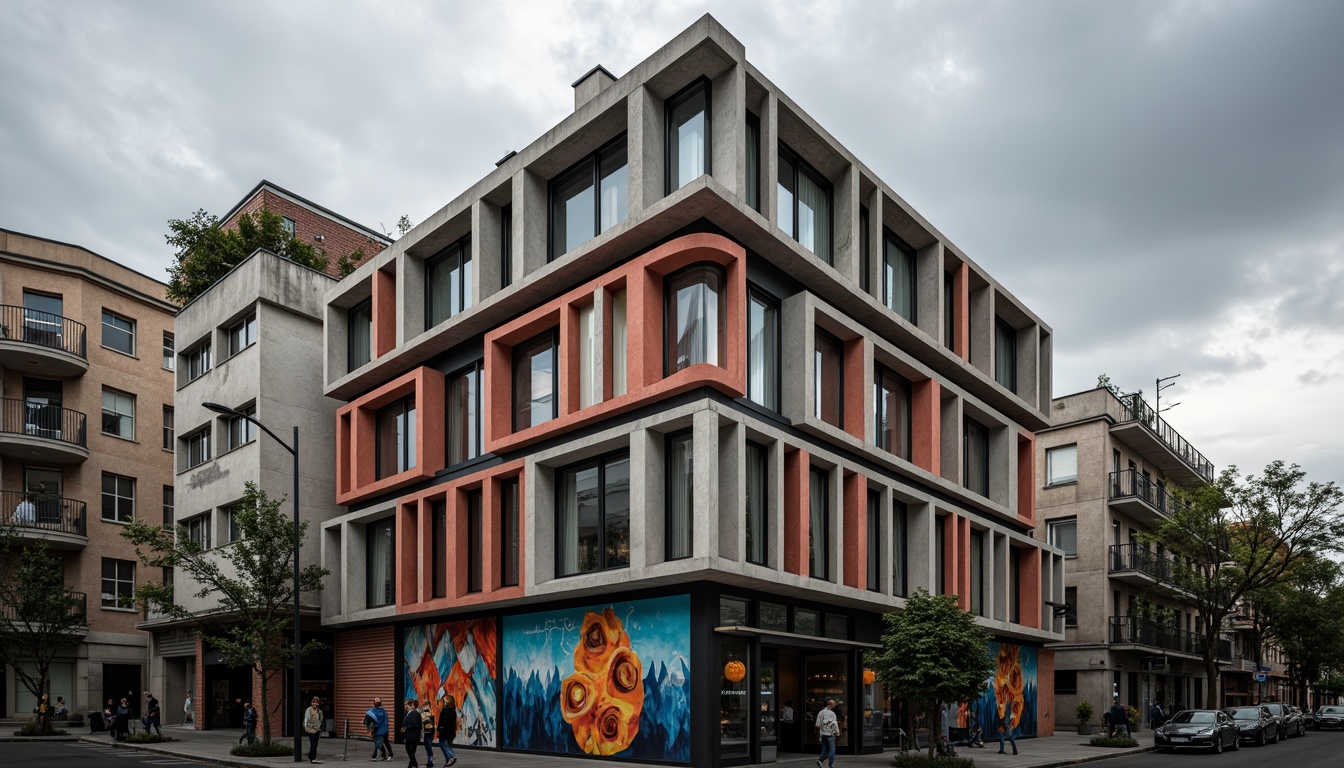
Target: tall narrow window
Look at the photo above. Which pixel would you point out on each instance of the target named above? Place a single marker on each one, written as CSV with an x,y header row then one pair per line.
x,y
241,335
118,498
1063,534
758,473
448,283
898,276
464,415
233,527
589,198
865,257
688,138
475,566
438,548
619,340
118,414
359,335
169,356
763,350
509,513
891,418
874,539
118,583
535,384
395,440
828,379
1005,355
167,505
696,328
118,333
198,448
900,584
240,431
380,563
939,553
804,207
593,516
589,388
1014,585
680,508
506,246
975,440
819,525
197,530
753,162
198,362
978,573
949,311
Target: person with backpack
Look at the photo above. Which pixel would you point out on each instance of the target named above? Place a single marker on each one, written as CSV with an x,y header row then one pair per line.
x,y
249,724
447,730
427,726
1155,715
375,720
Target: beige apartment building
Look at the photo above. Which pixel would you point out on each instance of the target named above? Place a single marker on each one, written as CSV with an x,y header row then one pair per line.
x,y
86,440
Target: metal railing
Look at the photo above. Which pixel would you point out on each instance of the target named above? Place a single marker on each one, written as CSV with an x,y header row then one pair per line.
x,y
1136,409
1137,630
1135,557
44,511
1130,483
37,419
79,609
43,329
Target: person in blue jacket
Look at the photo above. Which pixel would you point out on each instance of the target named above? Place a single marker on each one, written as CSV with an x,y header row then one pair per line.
x,y
375,719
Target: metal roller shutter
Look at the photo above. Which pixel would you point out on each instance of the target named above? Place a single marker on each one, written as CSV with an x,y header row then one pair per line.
x,y
365,667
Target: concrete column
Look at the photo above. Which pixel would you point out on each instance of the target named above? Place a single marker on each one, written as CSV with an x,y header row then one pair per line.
x,y
845,253
1002,465
730,512
487,249
951,439
538,545
981,339
797,345
997,572
728,130
875,200
646,174
929,290
707,502
646,530
921,541
530,222
770,159
1028,347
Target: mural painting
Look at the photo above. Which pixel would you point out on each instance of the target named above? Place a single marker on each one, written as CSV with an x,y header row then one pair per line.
x,y
1010,692
609,680
455,658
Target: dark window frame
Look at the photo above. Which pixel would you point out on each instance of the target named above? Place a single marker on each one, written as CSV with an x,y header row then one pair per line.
x,y
874,548
506,246
969,426
949,311
1005,333
244,331
759,296
131,333
200,361
119,599
721,336
353,362
599,463
119,499
889,239
701,85
761,537
865,251
822,553
687,436
475,540
753,140
457,257
510,511
802,167
551,337
405,447
477,369
369,581
438,548
900,542
818,381
594,161
886,380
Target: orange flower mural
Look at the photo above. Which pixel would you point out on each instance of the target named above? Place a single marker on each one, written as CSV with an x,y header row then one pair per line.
x,y
604,697
1008,685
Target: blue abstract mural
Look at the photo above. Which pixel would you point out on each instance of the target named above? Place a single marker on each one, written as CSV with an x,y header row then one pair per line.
x,y
455,658
1010,691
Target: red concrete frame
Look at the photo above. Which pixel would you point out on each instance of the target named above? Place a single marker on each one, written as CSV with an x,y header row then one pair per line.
x,y
795,522
356,432
384,312
854,352
1026,478
926,411
961,311
855,568
1029,577
642,278
1045,694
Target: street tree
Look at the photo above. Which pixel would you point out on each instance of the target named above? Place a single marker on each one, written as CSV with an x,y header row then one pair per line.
x,y
250,579
1236,536
204,252
40,616
933,653
1304,616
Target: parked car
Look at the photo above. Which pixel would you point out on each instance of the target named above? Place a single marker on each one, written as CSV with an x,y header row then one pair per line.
x,y
1309,717
1279,710
1330,716
1198,729
1254,724
1297,722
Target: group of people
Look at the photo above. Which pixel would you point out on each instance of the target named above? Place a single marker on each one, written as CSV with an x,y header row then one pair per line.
x,y
117,717
419,724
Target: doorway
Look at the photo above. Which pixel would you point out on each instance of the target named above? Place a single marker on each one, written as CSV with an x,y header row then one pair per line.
x,y
123,681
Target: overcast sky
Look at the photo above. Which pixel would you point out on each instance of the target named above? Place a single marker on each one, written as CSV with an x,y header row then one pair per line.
x,y
1162,182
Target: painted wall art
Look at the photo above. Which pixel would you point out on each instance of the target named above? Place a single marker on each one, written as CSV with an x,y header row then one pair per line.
x,y
458,659
1010,694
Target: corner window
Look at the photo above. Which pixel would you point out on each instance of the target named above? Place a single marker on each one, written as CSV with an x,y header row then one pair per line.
x,y
169,443
1063,534
819,525
898,276
688,147
198,448
679,511
380,562
1061,464
753,162
535,382
1005,355
118,498
241,335
804,205
758,474
118,414
975,447
828,379
509,513
118,583
891,417
464,415
593,516
118,333
240,431
198,362
589,198
197,530
763,350
169,356
395,441
448,283
696,330
359,335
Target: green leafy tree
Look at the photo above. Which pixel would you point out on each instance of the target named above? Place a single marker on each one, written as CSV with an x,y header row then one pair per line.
x,y
1305,618
40,617
252,581
1237,536
204,252
933,653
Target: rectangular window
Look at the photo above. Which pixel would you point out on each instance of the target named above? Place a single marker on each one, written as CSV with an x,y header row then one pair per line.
x,y
806,622
118,333
118,583
891,418
240,431
169,356
233,527
395,442
535,382
118,414
773,616
198,448
900,583
874,539
1066,681
828,379
475,535
1005,355
464,415
241,335
438,548
380,562
448,283
589,387
287,224
593,516
753,162
819,525
506,246
169,442
589,198
167,505
359,335
1071,609
680,504
509,513
898,276
978,573
804,210
949,312
975,443
118,498
763,350
688,138
939,554
694,316
1061,464
1063,534
198,362
43,322
836,626
619,340
758,473
865,255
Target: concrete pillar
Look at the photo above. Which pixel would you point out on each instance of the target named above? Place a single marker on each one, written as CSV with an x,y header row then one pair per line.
x,y
486,251
795,523
921,542
796,345
770,159
646,530
845,252
950,449
929,290
728,130
646,173
981,329
730,513
530,222
706,499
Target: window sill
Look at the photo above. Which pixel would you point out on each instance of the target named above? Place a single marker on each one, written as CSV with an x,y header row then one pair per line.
x,y
227,451
119,437
119,610
117,522
1061,484
119,352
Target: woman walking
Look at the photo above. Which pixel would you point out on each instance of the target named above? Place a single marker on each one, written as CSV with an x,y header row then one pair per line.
x,y
447,730
312,725
411,725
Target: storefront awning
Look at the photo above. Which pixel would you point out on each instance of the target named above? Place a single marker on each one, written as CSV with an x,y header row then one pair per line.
x,y
795,640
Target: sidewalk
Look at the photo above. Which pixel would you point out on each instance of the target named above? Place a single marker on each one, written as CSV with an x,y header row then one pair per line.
x,y
213,746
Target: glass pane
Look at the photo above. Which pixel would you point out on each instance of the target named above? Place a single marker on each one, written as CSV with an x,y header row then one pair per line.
x,y
618,344
829,364
694,306
826,680
818,541
463,418
1061,464
732,612
1005,356
687,142
806,622
837,626
784,193
588,519
814,216
899,554
734,706
587,342
874,538
898,278
680,496
573,214
977,458
773,617
763,352
360,340
509,516
438,291
617,512
756,501
615,188
753,162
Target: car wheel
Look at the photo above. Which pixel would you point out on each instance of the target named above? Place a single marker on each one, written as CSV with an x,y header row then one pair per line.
x,y
1236,742
1218,745
1260,738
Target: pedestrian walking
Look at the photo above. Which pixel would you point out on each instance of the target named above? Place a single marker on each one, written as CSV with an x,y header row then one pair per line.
x,y
427,728
312,725
447,730
1155,715
151,718
1008,732
411,726
123,719
1119,720
110,718
249,724
189,710
375,719
829,728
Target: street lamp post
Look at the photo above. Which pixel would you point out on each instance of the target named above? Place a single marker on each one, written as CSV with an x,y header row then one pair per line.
x,y
294,451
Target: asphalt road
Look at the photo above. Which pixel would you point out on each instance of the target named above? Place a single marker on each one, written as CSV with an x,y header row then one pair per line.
x,y
52,754
1318,749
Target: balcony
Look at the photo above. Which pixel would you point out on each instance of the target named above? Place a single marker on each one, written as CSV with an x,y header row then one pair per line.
x,y
32,341
79,610
40,432
1142,429
1139,497
1141,567
60,522
1147,634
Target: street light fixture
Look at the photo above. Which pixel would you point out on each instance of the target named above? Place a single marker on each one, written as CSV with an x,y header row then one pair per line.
x,y
294,451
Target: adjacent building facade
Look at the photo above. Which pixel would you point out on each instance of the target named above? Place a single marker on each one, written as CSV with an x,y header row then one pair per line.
x,y
86,440
641,434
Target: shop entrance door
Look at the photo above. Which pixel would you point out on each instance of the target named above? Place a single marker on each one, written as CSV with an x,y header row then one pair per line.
x,y
825,677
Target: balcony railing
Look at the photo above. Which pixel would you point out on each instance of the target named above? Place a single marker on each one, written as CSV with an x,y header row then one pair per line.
x,y
44,512
1131,484
37,419
1137,410
43,329
1133,557
79,610
1137,630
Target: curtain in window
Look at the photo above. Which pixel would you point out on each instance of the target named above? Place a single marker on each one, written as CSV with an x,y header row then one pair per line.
x,y
762,357
784,194
380,563
814,217
695,322
1005,355
756,501
615,513
462,418
588,388
618,344
615,188
567,527
680,500
360,339
817,534
899,274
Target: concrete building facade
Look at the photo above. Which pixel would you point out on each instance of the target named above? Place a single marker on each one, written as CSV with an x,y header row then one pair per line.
x,y
642,433
86,369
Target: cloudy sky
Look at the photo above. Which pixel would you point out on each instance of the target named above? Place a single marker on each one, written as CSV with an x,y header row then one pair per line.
x,y
1163,182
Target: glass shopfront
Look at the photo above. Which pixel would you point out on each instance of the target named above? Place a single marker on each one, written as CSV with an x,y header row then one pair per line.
x,y
734,699
824,678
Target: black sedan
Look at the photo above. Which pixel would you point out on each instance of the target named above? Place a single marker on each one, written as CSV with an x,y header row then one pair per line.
x,y
1254,724
1329,716
1197,729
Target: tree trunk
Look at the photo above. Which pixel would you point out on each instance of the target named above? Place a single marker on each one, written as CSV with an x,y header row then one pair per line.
x,y
1211,666
265,707
935,730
